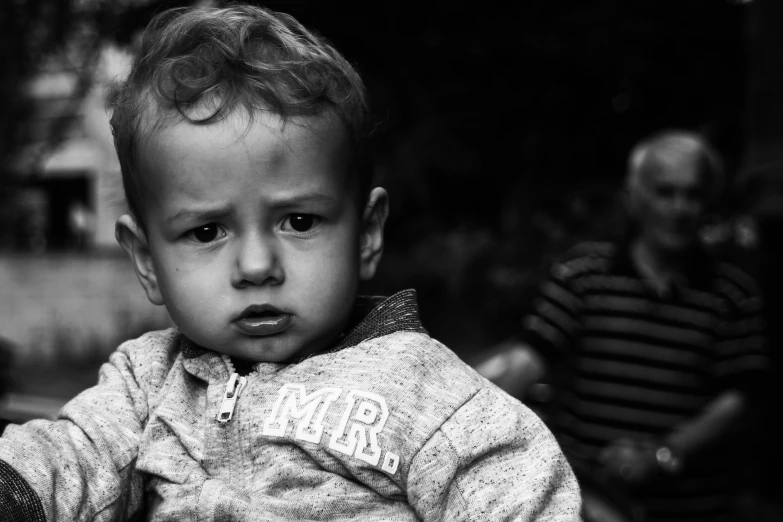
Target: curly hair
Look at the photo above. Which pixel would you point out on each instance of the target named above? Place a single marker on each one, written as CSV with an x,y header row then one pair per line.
x,y
218,59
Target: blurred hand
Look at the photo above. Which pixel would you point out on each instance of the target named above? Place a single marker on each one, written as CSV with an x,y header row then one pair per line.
x,y
632,461
514,368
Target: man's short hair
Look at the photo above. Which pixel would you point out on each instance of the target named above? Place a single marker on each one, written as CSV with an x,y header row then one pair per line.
x,y
671,146
219,59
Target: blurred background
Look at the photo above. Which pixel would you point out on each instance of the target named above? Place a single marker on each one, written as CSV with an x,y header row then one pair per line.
x,y
503,130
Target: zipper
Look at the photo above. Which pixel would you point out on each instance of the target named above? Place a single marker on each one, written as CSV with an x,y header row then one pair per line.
x,y
234,388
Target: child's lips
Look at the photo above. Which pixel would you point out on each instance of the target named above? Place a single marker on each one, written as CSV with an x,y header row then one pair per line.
x,y
262,320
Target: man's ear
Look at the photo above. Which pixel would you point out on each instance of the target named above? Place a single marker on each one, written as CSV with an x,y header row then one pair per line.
x,y
371,244
134,241
629,201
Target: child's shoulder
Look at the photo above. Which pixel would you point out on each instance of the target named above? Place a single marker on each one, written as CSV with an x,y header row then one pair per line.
x,y
415,359
151,344
154,351
402,343
416,379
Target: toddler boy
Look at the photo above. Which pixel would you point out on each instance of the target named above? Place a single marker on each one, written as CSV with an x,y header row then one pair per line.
x,y
280,394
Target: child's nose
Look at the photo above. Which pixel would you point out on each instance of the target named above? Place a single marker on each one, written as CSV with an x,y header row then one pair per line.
x,y
257,262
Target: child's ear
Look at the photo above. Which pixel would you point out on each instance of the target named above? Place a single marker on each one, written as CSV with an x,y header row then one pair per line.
x,y
371,245
134,241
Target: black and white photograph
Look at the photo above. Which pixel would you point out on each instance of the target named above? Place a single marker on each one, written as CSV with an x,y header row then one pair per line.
x,y
311,260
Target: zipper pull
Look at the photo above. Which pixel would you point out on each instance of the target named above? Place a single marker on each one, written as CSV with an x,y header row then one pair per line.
x,y
234,387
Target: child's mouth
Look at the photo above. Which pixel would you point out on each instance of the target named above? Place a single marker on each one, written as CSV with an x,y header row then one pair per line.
x,y
262,320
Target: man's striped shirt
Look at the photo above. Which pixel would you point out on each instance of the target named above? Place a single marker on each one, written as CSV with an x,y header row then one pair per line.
x,y
638,364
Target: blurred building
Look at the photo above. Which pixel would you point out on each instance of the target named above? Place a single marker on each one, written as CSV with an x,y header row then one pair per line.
x,y
68,295
68,176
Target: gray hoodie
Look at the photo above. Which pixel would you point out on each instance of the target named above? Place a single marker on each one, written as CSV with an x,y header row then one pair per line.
x,y
388,425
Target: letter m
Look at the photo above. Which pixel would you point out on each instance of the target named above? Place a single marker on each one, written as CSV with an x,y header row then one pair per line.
x,y
309,410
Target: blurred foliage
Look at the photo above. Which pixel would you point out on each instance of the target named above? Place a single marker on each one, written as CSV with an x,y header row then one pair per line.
x,y
64,35
33,30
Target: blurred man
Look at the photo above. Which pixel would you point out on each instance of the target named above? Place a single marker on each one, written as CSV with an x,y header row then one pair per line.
x,y
659,346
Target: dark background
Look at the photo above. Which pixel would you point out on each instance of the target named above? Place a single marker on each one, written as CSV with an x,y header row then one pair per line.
x,y
505,130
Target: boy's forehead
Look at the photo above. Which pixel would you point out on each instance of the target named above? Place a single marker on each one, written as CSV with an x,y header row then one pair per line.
x,y
265,139
239,120
181,134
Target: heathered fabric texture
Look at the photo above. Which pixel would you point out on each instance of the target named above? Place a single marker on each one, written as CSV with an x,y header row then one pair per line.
x,y
395,427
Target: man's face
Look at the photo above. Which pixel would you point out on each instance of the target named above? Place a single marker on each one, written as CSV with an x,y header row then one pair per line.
x,y
253,233
669,203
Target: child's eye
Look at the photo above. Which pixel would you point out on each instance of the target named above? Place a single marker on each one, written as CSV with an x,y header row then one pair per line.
x,y
301,222
206,233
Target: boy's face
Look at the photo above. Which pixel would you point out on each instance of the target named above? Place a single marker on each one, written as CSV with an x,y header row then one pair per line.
x,y
254,241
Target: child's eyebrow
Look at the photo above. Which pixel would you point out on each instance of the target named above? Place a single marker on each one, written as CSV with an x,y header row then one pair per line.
x,y
195,214
299,199
186,214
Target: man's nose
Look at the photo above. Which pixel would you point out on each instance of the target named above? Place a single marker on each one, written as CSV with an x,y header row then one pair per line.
x,y
683,204
257,261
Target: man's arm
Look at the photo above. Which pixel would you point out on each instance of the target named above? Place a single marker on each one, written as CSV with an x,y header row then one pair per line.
x,y
549,329
516,368
636,461
718,421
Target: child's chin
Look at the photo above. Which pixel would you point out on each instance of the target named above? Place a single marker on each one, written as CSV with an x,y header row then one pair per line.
x,y
268,352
